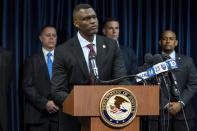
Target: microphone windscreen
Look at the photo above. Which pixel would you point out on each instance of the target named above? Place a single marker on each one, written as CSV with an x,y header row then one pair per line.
x,y
157,58
148,58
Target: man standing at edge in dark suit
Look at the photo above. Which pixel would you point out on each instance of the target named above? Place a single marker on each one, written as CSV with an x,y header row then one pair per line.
x,y
40,111
71,64
172,112
5,80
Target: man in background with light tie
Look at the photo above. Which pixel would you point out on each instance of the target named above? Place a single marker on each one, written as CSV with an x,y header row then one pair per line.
x,y
72,67
40,111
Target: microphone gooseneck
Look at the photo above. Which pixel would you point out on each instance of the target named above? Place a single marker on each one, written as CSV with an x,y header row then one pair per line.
x,y
117,80
174,84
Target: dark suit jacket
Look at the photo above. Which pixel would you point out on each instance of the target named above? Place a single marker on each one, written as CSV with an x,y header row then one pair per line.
x,y
70,68
186,76
129,60
36,85
5,80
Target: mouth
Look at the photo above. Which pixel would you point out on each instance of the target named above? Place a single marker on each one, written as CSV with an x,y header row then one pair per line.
x,y
114,35
51,43
93,27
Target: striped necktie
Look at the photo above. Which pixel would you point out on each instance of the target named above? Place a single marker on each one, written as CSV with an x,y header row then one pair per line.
x,y
91,56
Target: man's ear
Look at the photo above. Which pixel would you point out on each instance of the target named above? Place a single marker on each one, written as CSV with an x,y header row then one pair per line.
x,y
176,43
76,24
160,42
40,38
104,32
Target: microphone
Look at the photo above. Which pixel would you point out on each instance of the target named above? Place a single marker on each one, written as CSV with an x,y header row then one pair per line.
x,y
94,67
157,59
158,68
113,81
148,59
174,84
117,80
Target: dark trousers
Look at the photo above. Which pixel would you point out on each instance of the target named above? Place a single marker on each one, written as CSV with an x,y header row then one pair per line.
x,y
170,125
47,126
68,123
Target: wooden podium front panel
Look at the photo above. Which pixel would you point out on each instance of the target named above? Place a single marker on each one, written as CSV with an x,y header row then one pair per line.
x,y
85,100
96,124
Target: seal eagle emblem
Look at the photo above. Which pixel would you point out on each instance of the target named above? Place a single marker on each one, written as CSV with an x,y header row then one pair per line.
x,y
118,107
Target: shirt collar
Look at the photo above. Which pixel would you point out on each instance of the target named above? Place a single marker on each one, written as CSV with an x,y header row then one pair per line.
x,y
45,51
172,55
83,42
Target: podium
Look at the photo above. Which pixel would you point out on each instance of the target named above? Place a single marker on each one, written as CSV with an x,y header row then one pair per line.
x,y
84,102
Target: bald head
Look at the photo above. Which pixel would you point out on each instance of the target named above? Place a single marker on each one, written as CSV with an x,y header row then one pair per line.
x,y
163,34
79,7
85,20
168,41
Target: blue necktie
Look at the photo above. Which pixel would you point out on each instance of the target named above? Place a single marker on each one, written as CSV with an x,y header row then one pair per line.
x,y
49,64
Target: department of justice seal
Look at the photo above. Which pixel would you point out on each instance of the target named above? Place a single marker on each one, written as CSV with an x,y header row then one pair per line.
x,y
118,107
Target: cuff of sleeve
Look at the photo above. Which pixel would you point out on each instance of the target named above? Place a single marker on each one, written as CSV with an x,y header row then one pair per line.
x,y
182,103
165,107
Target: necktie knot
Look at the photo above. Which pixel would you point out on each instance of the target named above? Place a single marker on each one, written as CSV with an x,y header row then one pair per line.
x,y
49,54
91,48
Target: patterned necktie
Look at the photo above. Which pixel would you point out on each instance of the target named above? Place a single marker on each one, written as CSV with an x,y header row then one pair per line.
x,y
91,56
49,64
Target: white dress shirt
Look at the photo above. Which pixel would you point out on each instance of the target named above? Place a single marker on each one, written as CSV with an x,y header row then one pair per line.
x,y
45,51
83,42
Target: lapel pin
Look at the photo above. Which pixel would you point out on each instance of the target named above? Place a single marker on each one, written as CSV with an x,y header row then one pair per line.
x,y
104,46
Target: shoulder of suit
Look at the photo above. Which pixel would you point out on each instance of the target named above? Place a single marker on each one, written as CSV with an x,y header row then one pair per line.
x,y
184,57
35,56
104,38
107,41
67,43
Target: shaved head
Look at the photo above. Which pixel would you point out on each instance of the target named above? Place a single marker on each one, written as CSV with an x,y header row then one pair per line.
x,y
79,7
166,32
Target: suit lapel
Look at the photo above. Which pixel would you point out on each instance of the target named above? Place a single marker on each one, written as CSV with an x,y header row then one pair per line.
x,y
44,64
178,60
101,47
78,52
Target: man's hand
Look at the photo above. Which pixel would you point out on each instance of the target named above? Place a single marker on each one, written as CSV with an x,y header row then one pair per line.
x,y
51,107
174,107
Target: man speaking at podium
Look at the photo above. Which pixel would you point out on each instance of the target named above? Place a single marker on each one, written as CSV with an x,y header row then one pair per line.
x,y
177,114
73,61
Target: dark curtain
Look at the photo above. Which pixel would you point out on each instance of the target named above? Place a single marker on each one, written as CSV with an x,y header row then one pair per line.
x,y
141,22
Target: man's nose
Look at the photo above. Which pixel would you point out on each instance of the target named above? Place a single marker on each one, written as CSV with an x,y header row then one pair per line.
x,y
168,40
51,37
92,20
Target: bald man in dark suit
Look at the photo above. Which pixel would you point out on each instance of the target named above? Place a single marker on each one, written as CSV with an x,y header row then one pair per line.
x,y
176,108
5,80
